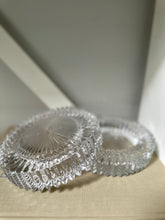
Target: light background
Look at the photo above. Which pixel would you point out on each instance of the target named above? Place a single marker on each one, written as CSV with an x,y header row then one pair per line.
x,y
94,50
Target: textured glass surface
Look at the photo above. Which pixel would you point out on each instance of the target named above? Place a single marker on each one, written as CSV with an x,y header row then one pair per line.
x,y
50,148
127,148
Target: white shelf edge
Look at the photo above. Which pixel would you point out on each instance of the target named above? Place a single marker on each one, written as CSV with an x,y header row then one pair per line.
x,y
30,74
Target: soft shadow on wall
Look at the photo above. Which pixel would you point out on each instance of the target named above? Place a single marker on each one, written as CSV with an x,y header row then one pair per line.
x,y
95,51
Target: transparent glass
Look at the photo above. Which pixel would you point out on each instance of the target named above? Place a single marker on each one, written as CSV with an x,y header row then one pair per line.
x,y
51,148
127,148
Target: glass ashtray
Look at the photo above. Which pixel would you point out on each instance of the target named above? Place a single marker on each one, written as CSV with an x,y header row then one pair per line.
x,y
50,148
127,148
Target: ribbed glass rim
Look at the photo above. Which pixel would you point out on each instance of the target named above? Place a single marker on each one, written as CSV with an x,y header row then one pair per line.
x,y
119,162
79,152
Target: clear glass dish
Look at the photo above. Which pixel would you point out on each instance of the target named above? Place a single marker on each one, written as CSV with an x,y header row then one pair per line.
x,y
50,148
127,148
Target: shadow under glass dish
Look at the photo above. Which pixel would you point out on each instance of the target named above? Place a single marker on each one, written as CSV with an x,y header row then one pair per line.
x,y
51,148
127,148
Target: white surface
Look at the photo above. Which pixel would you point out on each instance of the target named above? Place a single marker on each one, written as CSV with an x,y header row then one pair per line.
x,y
95,50
24,89
152,110
17,101
26,70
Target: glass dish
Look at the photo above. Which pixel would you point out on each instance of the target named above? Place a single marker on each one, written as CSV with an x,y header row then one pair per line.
x,y
127,148
50,148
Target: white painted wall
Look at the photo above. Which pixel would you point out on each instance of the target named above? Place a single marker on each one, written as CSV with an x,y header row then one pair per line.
x,y
152,110
24,88
26,70
17,102
95,50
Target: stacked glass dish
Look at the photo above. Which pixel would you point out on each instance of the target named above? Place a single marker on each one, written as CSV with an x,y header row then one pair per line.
x,y
127,148
53,147
50,148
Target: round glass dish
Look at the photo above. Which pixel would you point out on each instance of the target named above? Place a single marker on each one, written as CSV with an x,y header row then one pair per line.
x,y
50,148
127,148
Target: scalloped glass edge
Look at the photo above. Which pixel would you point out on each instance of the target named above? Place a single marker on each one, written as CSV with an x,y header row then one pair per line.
x,y
122,163
60,171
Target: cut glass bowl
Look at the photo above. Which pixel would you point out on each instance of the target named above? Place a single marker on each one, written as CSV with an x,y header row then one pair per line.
x,y
50,148
127,148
